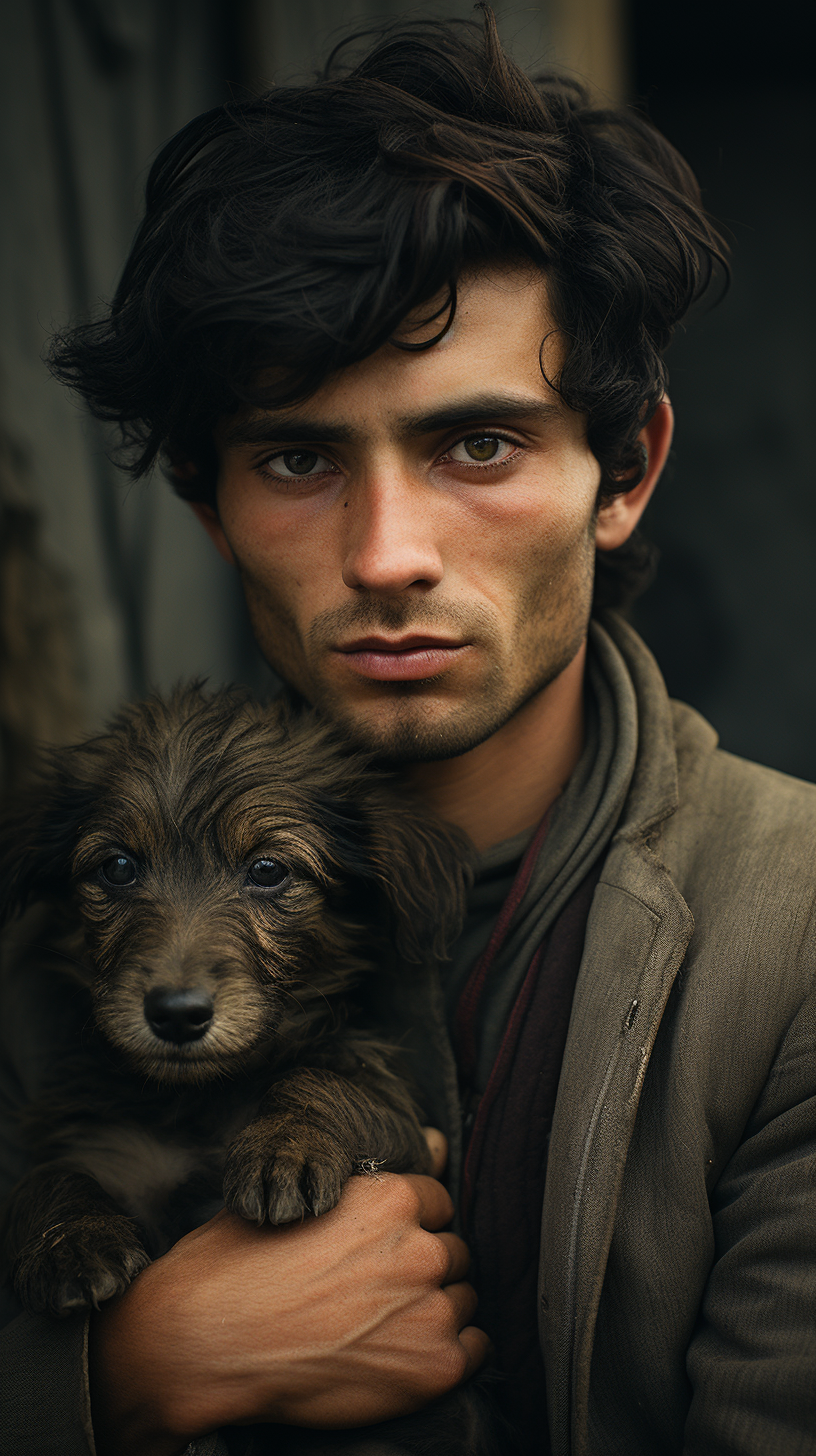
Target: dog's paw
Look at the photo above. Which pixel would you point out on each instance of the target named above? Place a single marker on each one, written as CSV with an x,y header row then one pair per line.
x,y
279,1182
78,1264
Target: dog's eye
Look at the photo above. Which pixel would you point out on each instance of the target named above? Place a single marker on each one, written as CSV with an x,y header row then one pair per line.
x,y
119,870
267,873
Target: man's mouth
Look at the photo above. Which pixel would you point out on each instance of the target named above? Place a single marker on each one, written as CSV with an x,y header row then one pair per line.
x,y
400,659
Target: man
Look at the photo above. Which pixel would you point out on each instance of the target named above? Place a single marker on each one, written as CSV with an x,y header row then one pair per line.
x,y
399,336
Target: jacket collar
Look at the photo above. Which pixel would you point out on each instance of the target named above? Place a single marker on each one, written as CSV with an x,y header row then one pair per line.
x,y
637,934
654,791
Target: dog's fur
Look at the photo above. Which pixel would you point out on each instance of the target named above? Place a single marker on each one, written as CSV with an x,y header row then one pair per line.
x,y
286,1093
137,1139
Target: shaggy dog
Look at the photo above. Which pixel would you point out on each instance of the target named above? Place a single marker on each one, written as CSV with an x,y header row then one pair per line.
x,y
219,878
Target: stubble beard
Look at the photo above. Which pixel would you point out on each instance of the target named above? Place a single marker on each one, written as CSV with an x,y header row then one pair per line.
x,y
404,723
413,726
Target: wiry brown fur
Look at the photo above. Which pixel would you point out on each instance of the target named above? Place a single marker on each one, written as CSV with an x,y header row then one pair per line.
x,y
138,1139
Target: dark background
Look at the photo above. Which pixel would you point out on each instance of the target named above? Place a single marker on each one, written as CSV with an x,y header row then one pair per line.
x,y
90,89
732,613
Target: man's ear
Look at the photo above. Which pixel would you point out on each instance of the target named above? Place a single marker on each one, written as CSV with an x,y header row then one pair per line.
x,y
208,516
618,518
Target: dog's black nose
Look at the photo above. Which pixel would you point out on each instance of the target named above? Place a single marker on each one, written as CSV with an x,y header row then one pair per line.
x,y
178,1016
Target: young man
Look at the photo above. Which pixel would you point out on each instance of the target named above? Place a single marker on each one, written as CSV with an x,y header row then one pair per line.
x,y
399,336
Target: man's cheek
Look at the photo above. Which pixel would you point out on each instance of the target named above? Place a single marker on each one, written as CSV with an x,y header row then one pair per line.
x,y
555,571
275,626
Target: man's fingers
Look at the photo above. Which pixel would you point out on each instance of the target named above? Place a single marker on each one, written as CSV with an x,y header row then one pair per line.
x,y
435,1204
458,1257
477,1347
438,1148
464,1299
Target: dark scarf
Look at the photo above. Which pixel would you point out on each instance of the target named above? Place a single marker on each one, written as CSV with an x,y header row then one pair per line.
x,y
510,1013
580,825
506,1161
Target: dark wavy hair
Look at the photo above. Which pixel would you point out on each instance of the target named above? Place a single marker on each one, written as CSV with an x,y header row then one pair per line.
x,y
299,228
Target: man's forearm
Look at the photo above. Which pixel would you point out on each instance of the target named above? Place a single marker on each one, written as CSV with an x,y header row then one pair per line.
x,y
133,1400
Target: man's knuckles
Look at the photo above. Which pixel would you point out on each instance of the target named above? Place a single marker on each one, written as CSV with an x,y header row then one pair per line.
x,y
451,1365
462,1300
430,1259
416,1197
389,1198
396,1203
457,1256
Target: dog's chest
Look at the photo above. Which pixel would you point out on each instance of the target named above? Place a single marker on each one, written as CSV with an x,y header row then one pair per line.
x,y
137,1168
170,1183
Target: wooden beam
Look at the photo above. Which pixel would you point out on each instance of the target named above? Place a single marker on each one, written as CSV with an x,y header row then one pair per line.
x,y
590,38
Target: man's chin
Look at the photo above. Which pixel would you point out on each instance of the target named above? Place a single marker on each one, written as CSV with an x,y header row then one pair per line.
x,y
406,732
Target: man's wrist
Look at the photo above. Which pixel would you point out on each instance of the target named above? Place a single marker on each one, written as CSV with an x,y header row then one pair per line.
x,y
134,1408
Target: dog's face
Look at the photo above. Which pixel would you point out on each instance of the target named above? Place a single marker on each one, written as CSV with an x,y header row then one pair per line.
x,y
219,856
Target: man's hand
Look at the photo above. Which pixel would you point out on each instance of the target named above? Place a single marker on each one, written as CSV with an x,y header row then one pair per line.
x,y
343,1320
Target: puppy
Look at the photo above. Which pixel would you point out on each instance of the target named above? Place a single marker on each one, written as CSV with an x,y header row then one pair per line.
x,y
216,877
216,880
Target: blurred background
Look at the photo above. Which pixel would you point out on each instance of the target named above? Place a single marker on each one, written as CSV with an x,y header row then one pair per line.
x,y
109,588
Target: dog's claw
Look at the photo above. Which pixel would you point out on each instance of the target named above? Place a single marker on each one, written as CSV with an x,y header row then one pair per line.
x,y
284,1194
249,1202
286,1205
281,1185
89,1262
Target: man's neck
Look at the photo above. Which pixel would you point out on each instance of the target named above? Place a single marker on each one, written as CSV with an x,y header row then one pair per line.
x,y
508,783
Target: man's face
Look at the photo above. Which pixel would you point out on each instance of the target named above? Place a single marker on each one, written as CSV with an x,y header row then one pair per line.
x,y
416,541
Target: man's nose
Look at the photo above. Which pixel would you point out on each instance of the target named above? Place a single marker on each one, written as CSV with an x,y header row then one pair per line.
x,y
391,541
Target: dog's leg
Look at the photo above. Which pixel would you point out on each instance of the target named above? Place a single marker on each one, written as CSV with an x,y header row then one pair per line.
x,y
65,1243
316,1128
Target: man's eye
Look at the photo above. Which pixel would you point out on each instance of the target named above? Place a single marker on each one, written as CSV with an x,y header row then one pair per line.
x,y
482,450
293,464
267,874
118,870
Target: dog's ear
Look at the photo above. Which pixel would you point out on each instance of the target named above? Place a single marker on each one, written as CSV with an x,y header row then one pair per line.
x,y
421,865
426,868
39,830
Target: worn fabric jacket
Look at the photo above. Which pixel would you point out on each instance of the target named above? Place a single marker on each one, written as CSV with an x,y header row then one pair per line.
x,y
677,1292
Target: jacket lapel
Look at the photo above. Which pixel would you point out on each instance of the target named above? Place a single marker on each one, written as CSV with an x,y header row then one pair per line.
x,y
637,934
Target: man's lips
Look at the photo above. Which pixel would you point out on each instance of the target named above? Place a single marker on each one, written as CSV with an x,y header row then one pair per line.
x,y
402,659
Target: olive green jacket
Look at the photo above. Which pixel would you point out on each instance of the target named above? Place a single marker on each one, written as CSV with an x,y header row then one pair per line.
x,y
677,1297
678,1276
677,1287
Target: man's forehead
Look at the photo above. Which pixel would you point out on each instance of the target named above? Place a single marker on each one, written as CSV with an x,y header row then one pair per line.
x,y
487,368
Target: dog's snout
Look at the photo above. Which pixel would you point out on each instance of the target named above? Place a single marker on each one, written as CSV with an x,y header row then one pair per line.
x,y
178,1016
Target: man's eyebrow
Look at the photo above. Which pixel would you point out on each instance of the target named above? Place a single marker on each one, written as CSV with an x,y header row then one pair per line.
x,y
288,430
480,409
